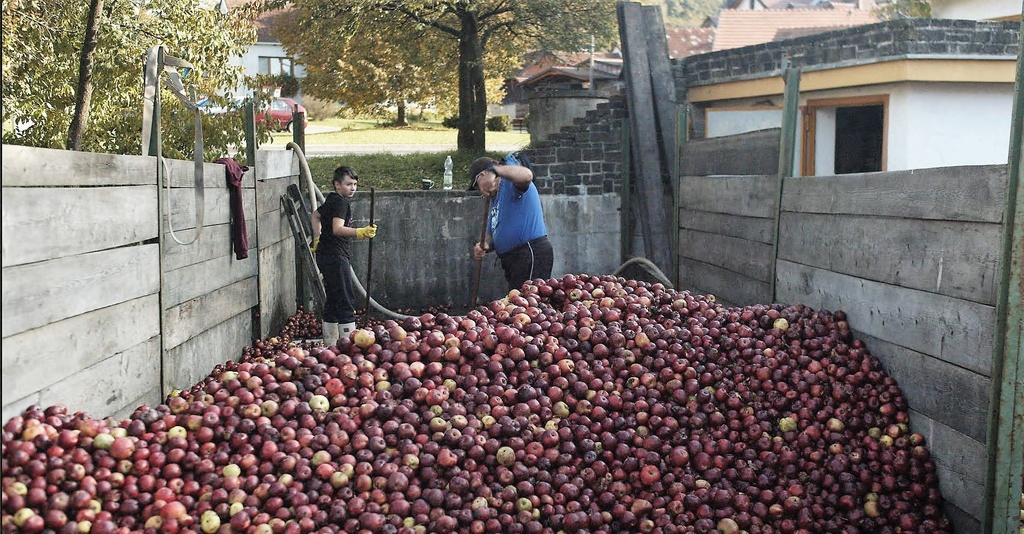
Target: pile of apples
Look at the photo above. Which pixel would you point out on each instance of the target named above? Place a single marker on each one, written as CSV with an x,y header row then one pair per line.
x,y
578,404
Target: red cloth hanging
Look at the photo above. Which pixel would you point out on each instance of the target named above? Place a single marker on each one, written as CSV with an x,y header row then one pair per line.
x,y
239,237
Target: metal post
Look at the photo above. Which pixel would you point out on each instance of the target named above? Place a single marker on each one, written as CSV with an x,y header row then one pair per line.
x,y
682,136
626,230
299,128
250,132
591,86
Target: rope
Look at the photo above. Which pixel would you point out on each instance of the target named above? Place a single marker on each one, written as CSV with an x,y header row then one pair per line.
x,y
158,63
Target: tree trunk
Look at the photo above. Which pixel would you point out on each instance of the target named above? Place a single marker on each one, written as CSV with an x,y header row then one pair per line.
x,y
83,96
401,121
472,93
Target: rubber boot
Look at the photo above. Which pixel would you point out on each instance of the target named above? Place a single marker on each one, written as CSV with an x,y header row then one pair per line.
x,y
345,329
330,334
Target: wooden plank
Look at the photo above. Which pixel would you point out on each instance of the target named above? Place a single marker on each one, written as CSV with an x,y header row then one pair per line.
x,y
217,210
273,228
751,196
959,519
953,450
121,379
76,221
967,193
179,174
960,466
278,293
213,243
153,397
741,256
188,319
181,285
272,164
651,189
729,287
959,462
755,229
43,293
663,85
741,154
109,386
269,192
40,357
957,259
953,330
38,167
189,362
942,391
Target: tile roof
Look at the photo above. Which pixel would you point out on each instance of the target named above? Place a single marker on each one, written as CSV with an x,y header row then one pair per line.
x,y
265,23
683,42
740,27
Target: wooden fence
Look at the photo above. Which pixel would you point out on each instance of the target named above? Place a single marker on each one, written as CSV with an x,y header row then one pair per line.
x,y
96,315
912,257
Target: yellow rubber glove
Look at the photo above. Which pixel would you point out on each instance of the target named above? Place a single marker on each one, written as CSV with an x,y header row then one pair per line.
x,y
366,232
316,243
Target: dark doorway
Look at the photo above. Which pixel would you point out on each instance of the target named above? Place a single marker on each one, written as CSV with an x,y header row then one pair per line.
x,y
859,139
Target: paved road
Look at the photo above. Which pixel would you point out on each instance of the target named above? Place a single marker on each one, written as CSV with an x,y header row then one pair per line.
x,y
340,150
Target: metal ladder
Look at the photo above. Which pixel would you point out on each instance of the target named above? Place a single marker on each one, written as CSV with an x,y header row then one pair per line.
x,y
298,213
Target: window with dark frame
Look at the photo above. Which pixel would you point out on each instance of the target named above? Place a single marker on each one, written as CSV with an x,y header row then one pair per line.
x,y
276,65
859,139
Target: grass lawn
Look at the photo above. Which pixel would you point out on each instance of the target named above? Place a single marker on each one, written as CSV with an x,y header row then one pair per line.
x,y
394,172
370,132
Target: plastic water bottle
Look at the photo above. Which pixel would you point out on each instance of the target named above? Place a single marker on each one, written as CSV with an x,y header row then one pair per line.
x,y
447,172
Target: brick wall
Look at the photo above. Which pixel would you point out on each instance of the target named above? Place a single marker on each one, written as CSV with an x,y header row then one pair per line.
x,y
861,44
585,158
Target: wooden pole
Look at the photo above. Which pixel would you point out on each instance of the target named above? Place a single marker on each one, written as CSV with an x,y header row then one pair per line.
x,y
369,259
1005,440
787,146
480,262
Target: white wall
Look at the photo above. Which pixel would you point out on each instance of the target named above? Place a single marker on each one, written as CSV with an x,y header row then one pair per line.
x,y
250,60
975,9
824,143
948,124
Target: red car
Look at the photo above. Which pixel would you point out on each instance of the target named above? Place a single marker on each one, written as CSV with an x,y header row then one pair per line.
x,y
278,116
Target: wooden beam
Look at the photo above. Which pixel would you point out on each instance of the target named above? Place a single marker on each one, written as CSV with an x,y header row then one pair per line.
x,y
787,147
1006,422
651,189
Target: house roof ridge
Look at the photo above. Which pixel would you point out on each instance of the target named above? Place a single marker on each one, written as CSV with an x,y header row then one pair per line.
x,y
829,9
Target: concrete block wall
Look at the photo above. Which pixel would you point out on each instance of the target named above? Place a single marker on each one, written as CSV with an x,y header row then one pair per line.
x,y
861,44
585,158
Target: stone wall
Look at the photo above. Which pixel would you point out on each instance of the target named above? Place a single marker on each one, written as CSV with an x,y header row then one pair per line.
x,y
861,44
585,158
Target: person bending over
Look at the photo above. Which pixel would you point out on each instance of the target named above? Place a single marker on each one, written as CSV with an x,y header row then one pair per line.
x,y
515,221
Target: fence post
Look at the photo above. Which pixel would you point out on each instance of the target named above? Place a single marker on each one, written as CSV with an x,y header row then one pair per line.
x,y
682,136
787,148
250,133
626,235
1006,408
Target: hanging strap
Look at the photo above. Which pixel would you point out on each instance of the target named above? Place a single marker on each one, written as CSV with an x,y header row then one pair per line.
x,y
157,64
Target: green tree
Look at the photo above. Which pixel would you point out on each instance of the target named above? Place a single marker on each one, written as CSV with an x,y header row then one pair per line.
x,y
689,12
42,62
367,65
479,33
904,9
